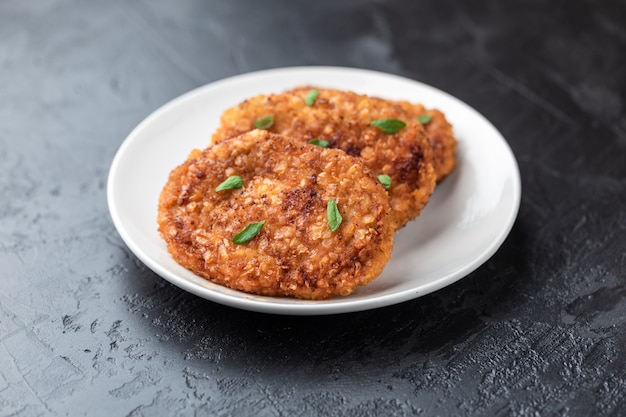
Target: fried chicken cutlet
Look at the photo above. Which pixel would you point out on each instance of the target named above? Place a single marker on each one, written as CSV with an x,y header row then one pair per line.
x,y
343,119
269,231
440,136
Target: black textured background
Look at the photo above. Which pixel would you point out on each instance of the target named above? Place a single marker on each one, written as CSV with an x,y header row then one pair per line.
x,y
86,329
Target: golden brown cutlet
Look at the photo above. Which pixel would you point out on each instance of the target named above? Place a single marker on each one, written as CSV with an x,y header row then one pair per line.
x,y
343,119
440,136
287,185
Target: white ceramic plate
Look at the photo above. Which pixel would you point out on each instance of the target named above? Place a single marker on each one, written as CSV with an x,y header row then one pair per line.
x,y
466,220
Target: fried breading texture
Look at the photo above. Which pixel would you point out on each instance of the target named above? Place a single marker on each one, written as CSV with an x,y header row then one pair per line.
x,y
343,119
286,184
440,136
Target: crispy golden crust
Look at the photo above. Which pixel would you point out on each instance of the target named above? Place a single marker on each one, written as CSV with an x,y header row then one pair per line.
x,y
440,135
343,119
287,184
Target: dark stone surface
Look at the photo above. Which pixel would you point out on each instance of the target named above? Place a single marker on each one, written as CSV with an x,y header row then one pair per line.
x,y
86,329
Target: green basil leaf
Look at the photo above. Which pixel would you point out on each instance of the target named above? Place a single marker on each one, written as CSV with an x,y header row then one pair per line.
x,y
230,183
248,233
385,180
310,98
319,142
264,122
390,126
423,119
332,215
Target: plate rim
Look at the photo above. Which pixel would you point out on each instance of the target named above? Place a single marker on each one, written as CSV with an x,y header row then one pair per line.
x,y
255,303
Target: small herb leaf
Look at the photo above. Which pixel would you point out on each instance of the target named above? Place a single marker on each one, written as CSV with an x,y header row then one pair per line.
x,y
319,142
390,126
332,215
423,119
264,122
311,97
248,233
230,183
385,180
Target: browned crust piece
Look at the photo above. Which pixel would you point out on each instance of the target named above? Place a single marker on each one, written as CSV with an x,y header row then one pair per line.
x,y
288,185
343,119
440,135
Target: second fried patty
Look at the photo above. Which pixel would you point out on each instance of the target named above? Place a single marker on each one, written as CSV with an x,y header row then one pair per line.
x,y
287,185
440,136
343,119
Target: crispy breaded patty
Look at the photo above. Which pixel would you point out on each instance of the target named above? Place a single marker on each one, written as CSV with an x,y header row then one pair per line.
x,y
440,135
343,118
288,185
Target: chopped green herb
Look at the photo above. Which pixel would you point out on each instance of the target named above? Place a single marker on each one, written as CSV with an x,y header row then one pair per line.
x,y
248,233
230,183
264,122
423,119
332,215
385,180
310,98
390,126
319,142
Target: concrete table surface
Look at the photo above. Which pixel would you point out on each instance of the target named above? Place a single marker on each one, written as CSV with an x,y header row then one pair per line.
x,y
87,329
